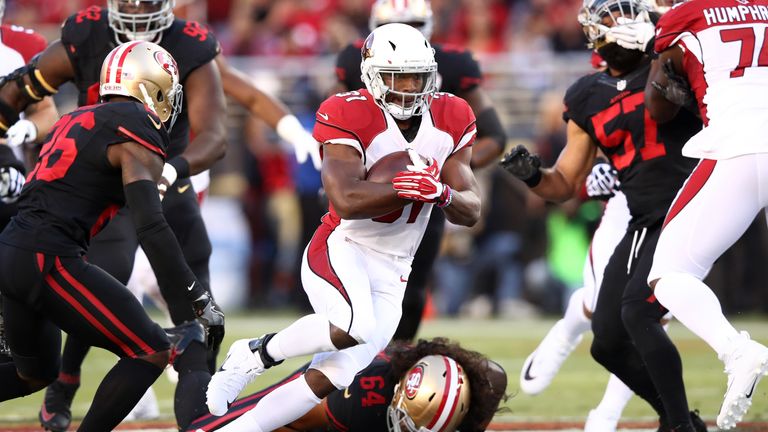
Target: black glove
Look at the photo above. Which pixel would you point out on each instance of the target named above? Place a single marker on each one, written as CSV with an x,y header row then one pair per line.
x,y
523,165
677,89
211,317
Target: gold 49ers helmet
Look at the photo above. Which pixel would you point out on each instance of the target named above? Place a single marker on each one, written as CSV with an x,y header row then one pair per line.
x,y
433,396
416,13
144,71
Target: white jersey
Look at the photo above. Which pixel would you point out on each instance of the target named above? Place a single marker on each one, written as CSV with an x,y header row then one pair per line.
x,y
726,61
355,120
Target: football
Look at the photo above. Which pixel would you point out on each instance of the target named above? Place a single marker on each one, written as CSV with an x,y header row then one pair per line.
x,y
384,169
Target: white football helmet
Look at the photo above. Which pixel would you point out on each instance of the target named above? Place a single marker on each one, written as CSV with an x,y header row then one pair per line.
x,y
416,13
394,50
432,396
140,19
147,72
597,16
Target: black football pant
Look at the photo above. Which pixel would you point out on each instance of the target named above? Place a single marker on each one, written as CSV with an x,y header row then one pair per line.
x,y
44,293
629,338
114,250
415,296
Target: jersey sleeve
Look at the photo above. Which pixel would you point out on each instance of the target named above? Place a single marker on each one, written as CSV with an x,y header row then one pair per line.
x,y
351,119
192,44
144,127
680,19
348,67
25,41
84,34
573,102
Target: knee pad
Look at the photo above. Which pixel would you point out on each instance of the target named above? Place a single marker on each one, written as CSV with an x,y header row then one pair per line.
x,y
339,367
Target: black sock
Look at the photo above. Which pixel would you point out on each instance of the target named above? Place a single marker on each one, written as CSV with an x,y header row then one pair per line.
x,y
189,399
13,386
118,393
73,356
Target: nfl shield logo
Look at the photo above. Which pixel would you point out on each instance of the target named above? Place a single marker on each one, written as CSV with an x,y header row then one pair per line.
x,y
621,85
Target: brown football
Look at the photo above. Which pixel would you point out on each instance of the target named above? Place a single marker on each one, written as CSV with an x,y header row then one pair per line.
x,y
384,169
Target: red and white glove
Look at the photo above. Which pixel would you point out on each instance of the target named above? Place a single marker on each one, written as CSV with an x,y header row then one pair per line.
x,y
422,182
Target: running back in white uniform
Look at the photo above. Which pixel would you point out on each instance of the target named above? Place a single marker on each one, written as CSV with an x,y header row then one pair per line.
x,y
353,119
355,271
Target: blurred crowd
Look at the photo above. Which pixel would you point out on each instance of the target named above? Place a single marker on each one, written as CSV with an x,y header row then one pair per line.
x,y
522,260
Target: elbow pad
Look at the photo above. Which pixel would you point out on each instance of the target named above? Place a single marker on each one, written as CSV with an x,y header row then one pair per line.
x,y
30,82
489,125
158,241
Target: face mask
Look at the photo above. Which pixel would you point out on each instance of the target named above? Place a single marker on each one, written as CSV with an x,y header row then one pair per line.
x,y
620,59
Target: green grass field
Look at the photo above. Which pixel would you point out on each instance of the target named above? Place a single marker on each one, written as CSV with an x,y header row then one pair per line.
x,y
576,390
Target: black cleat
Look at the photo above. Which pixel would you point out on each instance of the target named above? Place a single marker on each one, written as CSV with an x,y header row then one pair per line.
x,y
182,335
696,425
55,414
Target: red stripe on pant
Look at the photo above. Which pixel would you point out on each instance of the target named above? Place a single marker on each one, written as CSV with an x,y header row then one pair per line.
x,y
319,258
95,302
692,186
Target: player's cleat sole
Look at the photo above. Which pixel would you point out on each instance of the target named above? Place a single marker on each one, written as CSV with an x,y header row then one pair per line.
x,y
745,366
55,414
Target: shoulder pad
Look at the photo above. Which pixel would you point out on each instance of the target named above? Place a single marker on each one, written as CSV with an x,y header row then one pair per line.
x,y
576,96
684,17
350,115
25,41
348,65
90,23
191,44
135,122
458,67
454,116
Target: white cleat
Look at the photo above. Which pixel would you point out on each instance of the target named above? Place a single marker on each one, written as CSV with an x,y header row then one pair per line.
x,y
542,365
598,422
239,369
746,363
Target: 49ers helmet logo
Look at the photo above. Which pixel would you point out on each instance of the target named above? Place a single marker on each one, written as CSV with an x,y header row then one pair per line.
x,y
413,383
167,62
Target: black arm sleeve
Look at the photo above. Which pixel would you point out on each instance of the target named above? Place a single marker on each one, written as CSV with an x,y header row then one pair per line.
x,y
158,241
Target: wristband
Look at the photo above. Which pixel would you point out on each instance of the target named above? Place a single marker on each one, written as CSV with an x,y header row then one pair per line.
x,y
533,180
181,165
289,128
445,201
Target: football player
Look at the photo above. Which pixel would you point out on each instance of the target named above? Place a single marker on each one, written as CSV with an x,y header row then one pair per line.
x,y
605,110
458,73
718,47
97,159
403,382
86,39
356,266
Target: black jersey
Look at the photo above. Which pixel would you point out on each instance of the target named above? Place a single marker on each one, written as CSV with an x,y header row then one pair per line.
x,y
73,191
457,70
88,39
647,155
363,405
